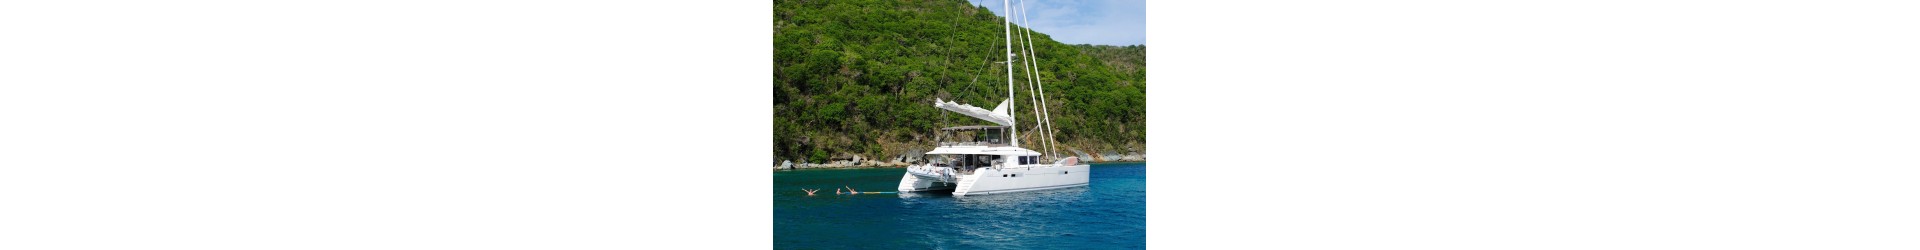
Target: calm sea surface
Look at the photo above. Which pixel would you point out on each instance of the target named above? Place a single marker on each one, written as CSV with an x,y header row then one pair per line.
x,y
1110,213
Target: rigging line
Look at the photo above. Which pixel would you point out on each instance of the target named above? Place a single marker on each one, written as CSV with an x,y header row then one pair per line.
x,y
984,61
1026,48
1026,74
976,77
1053,144
1053,147
1007,30
987,61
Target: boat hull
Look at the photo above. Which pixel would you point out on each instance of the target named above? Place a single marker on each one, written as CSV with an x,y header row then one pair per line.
x,y
913,183
1022,179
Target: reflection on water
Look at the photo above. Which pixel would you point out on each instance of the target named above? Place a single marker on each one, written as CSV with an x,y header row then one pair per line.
x,y
909,196
1108,213
1022,199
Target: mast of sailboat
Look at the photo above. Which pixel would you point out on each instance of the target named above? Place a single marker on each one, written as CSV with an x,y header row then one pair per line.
x,y
1012,124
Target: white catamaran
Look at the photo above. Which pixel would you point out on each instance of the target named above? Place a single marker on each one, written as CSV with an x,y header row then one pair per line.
x,y
989,159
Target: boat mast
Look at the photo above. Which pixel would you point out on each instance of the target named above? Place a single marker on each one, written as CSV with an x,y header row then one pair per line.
x,y
1012,124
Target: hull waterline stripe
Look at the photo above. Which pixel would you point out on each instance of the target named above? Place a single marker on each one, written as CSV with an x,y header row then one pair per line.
x,y
1026,189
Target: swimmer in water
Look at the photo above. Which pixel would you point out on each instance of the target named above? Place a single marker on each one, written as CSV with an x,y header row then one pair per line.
x,y
851,191
810,192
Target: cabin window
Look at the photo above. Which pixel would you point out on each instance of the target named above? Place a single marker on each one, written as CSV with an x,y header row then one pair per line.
x,y
1024,160
986,159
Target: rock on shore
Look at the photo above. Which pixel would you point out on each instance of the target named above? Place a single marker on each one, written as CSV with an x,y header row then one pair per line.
x,y
856,162
901,162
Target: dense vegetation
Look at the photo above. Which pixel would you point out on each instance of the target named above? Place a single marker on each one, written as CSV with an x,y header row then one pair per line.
x,y
860,77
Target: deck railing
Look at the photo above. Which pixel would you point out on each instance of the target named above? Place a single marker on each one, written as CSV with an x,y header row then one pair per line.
x,y
970,143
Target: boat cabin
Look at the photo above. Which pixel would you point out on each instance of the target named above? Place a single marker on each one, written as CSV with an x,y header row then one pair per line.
x,y
974,136
966,148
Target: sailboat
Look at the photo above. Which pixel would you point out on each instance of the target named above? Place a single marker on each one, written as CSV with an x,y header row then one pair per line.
x,y
988,159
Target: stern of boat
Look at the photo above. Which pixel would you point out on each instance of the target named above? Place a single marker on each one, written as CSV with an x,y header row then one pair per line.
x,y
909,182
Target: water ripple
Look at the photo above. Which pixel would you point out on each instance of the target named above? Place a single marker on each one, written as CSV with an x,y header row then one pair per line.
x,y
1110,213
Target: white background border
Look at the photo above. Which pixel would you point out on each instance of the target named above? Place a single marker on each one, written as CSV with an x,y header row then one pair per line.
x,y
624,125
385,125
1534,125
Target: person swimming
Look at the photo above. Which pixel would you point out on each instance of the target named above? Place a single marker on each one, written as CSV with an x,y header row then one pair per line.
x,y
810,192
851,191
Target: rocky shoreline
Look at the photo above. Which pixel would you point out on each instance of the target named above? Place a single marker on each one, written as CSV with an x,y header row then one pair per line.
x,y
857,161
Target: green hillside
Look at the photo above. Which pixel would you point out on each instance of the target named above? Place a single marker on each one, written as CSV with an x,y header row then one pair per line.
x,y
860,77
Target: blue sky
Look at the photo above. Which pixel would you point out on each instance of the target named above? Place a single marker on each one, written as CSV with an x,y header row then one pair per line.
x,y
1110,22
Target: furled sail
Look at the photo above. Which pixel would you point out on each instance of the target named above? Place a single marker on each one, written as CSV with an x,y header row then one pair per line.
x,y
999,114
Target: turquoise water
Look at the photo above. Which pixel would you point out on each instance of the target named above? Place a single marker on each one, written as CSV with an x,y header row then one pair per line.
x,y
1110,213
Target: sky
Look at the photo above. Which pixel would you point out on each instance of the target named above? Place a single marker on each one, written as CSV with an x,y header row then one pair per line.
x,y
1109,22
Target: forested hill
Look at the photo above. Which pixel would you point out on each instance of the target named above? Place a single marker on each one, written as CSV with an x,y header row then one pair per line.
x,y
855,77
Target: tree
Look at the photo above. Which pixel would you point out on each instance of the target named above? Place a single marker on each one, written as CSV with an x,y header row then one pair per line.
x,y
848,74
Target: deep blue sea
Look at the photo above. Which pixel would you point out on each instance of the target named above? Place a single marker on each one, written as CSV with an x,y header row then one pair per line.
x,y
1110,213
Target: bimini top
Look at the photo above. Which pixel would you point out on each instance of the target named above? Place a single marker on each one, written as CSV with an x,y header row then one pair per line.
x,y
998,115
982,150
973,128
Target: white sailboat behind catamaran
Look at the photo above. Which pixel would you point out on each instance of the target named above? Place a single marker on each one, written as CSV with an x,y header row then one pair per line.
x,y
988,159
